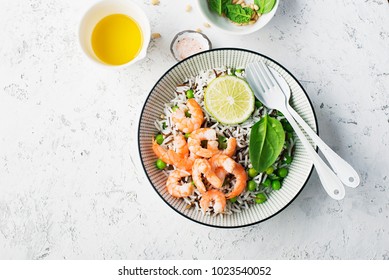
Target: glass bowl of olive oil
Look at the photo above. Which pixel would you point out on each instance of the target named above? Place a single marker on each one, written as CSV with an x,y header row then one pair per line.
x,y
115,33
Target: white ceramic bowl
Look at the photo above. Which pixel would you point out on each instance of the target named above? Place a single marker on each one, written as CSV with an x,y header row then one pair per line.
x,y
227,26
163,92
108,7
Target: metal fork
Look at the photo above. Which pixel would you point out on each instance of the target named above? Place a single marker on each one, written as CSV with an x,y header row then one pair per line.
x,y
267,90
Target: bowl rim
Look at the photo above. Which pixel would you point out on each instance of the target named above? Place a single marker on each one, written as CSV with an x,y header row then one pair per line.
x,y
237,33
143,165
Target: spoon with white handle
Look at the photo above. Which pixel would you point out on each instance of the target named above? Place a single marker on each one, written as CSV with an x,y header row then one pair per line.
x,y
343,169
270,94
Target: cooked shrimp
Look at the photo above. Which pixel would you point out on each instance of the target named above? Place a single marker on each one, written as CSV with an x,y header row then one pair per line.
x,y
187,125
202,166
228,151
233,168
221,173
161,153
218,168
223,161
241,181
231,147
193,156
194,142
175,188
204,134
213,146
180,157
213,198
180,145
183,162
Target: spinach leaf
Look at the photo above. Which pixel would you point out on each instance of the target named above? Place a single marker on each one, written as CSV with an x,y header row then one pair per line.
x,y
238,14
218,6
265,6
267,138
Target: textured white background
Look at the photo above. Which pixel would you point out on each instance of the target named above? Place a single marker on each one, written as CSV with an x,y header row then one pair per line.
x,y
71,184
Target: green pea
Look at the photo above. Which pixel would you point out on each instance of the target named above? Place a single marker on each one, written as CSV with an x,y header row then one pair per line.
x,y
190,93
251,186
238,70
187,135
252,172
260,198
282,172
187,114
270,170
280,114
266,183
232,72
160,164
233,199
258,104
159,139
288,159
164,125
175,108
276,185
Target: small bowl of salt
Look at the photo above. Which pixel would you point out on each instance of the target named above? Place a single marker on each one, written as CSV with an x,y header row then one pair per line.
x,y
189,42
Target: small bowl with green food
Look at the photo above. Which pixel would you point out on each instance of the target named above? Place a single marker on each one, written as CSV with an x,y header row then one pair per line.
x,y
238,17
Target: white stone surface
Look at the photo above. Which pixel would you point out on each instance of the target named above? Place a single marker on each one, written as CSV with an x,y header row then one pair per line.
x,y
71,184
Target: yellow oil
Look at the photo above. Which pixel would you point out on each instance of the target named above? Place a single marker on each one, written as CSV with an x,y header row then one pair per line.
x,y
117,39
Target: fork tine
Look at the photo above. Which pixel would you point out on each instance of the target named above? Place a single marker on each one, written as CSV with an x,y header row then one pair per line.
x,y
263,82
251,72
261,77
266,76
269,74
257,78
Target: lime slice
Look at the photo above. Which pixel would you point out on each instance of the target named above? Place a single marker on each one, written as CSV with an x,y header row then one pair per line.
x,y
229,99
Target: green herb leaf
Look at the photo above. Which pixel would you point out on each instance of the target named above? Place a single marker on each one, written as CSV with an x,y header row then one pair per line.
x,y
267,139
238,14
218,6
265,6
